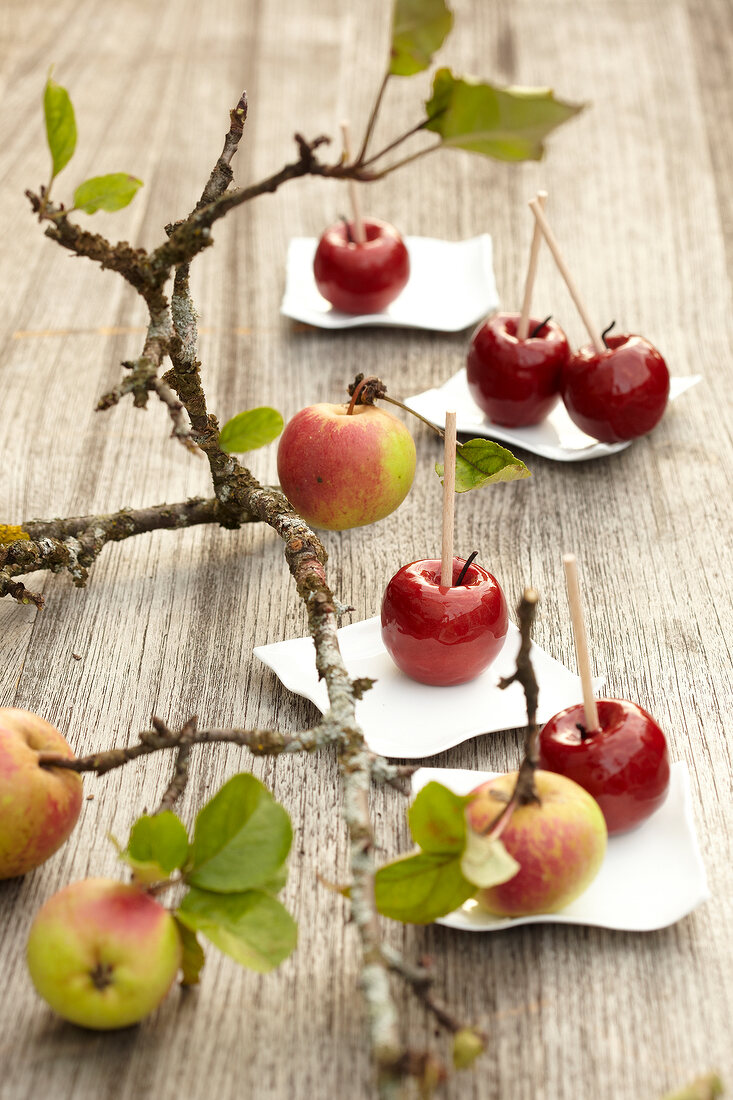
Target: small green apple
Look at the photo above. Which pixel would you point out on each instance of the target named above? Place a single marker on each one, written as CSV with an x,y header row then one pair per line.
x,y
103,954
342,469
38,806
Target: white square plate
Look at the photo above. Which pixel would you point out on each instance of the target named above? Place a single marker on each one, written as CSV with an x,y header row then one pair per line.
x,y
451,286
650,878
402,718
556,437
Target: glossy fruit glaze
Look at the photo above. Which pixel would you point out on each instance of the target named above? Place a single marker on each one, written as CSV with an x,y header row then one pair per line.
x,y
625,766
619,394
443,636
516,382
361,278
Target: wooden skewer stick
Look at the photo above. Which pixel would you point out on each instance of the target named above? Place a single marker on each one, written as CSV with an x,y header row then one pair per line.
x,y
449,494
569,281
359,233
534,253
581,644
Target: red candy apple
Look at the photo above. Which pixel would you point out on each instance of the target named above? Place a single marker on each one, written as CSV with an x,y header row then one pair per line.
x,y
617,394
361,278
624,765
443,636
516,382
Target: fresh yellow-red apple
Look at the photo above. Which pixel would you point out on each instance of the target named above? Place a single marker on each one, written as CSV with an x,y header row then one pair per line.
x,y
103,954
38,806
341,469
559,843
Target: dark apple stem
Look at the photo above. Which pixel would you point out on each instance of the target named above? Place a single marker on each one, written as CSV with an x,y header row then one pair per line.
x,y
347,227
539,327
605,333
525,790
466,567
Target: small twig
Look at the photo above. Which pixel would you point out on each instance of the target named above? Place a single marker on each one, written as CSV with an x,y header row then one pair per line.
x,y
393,144
420,979
372,118
179,779
524,790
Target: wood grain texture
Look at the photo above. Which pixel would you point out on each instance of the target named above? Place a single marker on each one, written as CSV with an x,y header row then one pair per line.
x,y
639,196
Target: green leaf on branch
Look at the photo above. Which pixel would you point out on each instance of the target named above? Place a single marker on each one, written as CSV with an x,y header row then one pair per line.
x,y
506,123
60,125
437,819
252,927
486,862
482,462
157,846
419,888
419,29
242,838
192,957
251,429
106,192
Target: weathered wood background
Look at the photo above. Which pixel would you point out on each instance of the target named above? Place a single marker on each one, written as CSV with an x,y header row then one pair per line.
x,y
640,197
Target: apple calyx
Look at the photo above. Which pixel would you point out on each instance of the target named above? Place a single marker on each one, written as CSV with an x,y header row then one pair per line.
x,y
364,391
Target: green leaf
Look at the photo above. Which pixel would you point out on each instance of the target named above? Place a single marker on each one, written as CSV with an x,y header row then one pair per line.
x,y
252,927
106,192
419,888
467,1045
251,429
241,839
486,862
60,125
193,958
157,846
505,123
482,462
438,819
419,28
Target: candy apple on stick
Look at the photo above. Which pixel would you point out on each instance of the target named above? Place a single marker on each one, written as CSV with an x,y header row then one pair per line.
x,y
611,747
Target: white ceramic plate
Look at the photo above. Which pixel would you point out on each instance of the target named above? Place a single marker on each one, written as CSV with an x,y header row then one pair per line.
x,y
556,437
402,718
451,286
651,877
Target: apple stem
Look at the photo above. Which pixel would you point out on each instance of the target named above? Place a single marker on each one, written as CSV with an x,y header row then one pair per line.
x,y
605,333
357,391
562,267
581,644
359,234
538,328
407,409
347,227
449,490
466,567
534,252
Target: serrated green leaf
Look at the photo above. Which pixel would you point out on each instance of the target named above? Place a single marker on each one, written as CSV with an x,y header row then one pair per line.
x,y
252,927
419,28
192,956
506,123
157,846
60,125
437,819
486,862
482,462
250,429
419,888
106,192
241,839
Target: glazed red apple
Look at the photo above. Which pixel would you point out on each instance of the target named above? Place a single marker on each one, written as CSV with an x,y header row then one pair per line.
x,y
361,278
618,394
443,636
516,382
624,766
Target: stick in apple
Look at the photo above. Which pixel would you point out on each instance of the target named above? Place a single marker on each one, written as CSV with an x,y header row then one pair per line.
x,y
359,234
562,267
449,491
534,252
581,643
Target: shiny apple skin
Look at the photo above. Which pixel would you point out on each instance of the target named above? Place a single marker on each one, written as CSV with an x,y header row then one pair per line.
x,y
619,394
361,278
443,636
625,766
516,382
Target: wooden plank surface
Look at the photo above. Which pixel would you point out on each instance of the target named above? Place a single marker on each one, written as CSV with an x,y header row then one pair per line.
x,y
639,195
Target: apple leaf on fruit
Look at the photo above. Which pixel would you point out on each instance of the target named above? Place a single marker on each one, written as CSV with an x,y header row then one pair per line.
x,y
485,860
157,846
60,125
192,955
419,29
481,462
421,887
250,429
106,192
242,838
252,927
505,123
438,820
